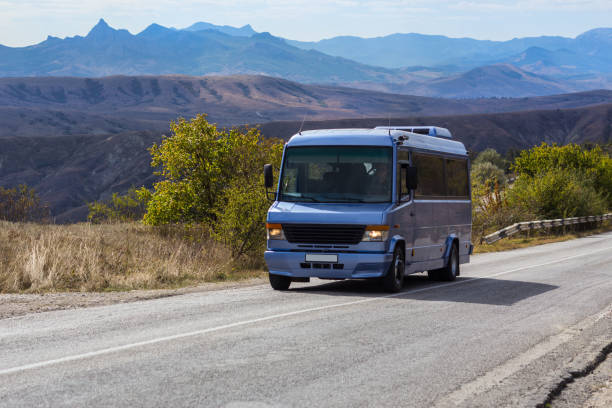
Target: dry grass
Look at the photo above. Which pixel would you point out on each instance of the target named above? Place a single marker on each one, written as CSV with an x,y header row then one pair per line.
x,y
523,240
85,257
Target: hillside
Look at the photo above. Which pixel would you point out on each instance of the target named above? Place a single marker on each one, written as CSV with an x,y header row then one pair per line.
x,y
501,131
495,80
53,106
71,170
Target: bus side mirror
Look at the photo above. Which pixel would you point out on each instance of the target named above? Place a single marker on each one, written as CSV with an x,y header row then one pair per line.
x,y
411,178
268,176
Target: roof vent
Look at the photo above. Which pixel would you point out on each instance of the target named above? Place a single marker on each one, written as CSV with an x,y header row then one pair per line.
x,y
422,130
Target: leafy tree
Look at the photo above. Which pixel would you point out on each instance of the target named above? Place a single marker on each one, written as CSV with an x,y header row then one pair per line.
x,y
241,209
195,165
214,177
22,204
241,220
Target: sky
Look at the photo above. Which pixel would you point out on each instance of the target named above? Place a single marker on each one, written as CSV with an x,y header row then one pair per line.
x,y
26,22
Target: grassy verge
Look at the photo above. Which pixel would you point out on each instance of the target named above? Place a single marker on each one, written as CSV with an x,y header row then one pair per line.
x,y
85,257
115,257
523,240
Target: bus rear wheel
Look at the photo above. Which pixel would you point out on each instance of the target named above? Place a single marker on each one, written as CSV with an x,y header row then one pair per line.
x,y
279,282
450,271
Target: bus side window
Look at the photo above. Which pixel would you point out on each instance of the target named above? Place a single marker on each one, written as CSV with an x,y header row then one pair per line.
x,y
431,176
457,182
402,161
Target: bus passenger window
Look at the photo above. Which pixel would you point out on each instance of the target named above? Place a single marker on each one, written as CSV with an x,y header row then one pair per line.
x,y
431,175
457,182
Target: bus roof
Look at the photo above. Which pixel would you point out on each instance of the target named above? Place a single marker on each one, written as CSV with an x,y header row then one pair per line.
x,y
375,137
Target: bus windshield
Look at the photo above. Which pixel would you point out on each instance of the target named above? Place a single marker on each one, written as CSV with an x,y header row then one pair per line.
x,y
337,174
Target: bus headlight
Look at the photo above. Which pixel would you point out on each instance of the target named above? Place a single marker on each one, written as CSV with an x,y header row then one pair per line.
x,y
376,233
275,231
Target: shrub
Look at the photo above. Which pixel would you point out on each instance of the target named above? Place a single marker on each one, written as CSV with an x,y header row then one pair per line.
x,y
22,204
491,156
486,173
491,209
120,208
557,194
594,165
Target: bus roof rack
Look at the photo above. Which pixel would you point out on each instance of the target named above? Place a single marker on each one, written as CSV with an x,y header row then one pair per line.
x,y
422,130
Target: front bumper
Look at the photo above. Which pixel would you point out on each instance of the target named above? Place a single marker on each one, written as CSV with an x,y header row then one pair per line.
x,y
355,265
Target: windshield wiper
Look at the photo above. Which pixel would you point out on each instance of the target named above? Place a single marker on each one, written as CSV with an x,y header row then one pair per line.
x,y
297,198
352,200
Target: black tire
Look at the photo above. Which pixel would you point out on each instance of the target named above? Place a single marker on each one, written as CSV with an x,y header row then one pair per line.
x,y
450,271
279,282
394,279
434,275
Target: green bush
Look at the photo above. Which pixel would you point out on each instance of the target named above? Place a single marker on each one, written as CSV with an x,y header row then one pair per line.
x,y
593,167
120,208
557,194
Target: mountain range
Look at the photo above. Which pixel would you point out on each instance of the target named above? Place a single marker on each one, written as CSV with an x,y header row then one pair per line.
x,y
413,64
588,52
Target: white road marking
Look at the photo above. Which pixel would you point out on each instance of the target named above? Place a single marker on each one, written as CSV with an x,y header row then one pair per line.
x,y
272,317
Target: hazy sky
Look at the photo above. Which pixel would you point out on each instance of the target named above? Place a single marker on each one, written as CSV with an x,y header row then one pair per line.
x,y
25,22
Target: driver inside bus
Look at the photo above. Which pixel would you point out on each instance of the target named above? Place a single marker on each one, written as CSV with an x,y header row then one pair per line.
x,y
380,182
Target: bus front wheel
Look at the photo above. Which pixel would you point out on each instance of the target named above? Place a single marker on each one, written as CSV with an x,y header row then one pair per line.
x,y
279,282
394,279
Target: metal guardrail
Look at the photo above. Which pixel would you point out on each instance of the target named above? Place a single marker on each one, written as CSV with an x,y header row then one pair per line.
x,y
532,225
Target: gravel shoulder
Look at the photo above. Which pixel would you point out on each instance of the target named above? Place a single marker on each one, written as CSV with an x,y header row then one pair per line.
x,y
592,391
19,304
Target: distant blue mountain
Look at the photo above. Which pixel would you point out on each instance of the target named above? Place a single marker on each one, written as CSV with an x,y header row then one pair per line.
x,y
244,31
160,50
402,50
400,63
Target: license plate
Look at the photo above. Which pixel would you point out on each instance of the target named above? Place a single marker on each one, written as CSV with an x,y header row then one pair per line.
x,y
329,258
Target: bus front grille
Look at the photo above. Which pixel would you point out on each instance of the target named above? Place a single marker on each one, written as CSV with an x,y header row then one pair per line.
x,y
324,233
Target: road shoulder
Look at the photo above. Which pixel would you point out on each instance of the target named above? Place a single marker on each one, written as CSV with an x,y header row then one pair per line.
x,y
556,370
591,391
19,304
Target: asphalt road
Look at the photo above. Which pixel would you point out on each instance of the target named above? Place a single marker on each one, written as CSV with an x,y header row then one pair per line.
x,y
498,335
